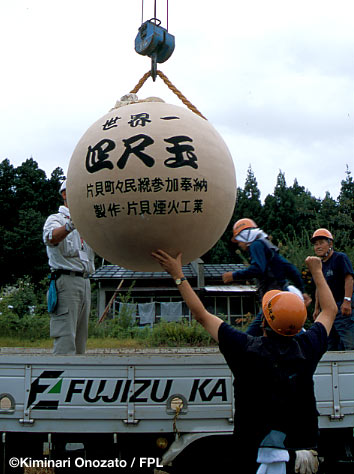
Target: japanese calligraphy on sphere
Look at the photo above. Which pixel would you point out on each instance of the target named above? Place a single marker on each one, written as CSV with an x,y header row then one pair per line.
x,y
151,175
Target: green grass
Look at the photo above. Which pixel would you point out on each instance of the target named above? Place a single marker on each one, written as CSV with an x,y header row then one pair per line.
x,y
16,342
92,343
114,335
112,343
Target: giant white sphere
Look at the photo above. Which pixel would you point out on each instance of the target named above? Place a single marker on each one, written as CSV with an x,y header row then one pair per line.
x,y
151,175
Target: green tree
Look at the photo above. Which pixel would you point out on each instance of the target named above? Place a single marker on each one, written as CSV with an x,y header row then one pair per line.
x,y
27,197
7,207
248,204
7,193
278,210
306,208
337,215
219,253
345,234
51,191
248,200
25,245
327,215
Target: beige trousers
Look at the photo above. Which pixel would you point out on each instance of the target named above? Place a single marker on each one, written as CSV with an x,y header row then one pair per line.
x,y
69,322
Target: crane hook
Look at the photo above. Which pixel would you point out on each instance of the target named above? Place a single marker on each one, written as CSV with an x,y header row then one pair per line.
x,y
154,41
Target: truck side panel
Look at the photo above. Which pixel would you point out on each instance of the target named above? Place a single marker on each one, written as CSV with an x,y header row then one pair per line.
x,y
123,393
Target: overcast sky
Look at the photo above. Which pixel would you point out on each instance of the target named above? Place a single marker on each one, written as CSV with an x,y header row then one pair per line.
x,y
275,78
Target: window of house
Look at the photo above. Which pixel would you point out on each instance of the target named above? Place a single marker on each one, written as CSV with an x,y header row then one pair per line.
x,y
141,299
248,305
221,305
235,305
209,303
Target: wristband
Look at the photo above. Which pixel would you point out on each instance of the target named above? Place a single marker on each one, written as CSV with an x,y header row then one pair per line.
x,y
347,298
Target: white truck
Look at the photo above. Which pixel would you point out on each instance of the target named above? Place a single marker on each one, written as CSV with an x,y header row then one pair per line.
x,y
161,409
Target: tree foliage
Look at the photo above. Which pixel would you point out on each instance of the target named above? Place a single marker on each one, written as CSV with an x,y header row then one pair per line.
x,y
27,197
289,216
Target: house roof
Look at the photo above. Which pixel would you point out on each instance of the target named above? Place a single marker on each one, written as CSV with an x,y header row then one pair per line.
x,y
212,271
216,270
107,272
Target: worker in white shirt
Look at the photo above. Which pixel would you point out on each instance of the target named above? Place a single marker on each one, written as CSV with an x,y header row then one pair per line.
x,y
71,262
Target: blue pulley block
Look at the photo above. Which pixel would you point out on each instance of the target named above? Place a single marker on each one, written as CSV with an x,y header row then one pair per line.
x,y
154,41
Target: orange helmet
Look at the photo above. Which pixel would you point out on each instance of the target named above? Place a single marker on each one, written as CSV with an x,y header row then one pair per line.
x,y
321,234
284,311
241,225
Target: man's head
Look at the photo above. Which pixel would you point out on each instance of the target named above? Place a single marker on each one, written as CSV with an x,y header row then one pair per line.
x,y
322,241
62,191
62,187
284,312
240,231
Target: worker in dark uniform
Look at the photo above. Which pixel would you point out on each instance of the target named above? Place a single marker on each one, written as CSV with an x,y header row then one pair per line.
x,y
271,270
338,272
275,407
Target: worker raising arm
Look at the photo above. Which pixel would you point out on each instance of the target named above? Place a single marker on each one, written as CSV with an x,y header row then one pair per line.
x,y
275,405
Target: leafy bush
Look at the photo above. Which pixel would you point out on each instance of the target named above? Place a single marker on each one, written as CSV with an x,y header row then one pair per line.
x,y
19,298
121,329
30,327
23,311
9,323
95,329
170,334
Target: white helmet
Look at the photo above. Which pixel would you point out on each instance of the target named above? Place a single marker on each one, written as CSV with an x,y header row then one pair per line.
x,y
62,187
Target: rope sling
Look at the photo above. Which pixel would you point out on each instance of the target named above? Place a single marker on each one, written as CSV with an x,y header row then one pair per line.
x,y
171,87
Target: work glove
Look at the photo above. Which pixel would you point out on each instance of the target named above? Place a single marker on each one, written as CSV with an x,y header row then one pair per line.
x,y
69,226
306,461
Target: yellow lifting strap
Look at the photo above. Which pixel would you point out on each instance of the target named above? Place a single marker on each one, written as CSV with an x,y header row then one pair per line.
x,y
170,86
